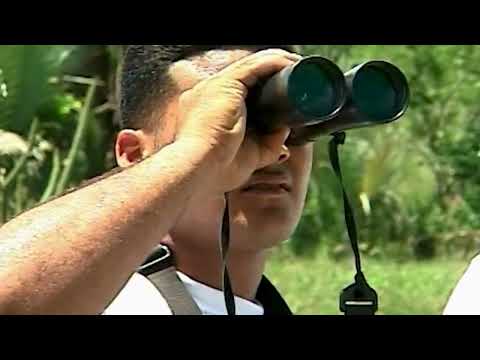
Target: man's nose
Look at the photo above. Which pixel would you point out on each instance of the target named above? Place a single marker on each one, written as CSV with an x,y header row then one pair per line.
x,y
284,155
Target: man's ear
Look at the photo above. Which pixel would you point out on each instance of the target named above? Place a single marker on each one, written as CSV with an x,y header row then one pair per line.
x,y
130,147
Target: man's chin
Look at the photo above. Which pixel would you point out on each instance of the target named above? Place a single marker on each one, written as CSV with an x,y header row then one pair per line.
x,y
264,221
262,232
266,241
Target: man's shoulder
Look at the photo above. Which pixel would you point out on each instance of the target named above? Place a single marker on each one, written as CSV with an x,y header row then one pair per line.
x,y
465,299
139,297
476,262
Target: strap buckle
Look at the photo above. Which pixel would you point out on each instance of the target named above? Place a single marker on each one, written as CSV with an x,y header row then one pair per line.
x,y
359,299
160,260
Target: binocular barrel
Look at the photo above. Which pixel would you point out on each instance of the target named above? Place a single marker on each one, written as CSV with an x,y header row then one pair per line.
x,y
315,98
311,91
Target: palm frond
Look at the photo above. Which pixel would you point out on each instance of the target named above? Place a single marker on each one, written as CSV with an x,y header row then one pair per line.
x,y
26,70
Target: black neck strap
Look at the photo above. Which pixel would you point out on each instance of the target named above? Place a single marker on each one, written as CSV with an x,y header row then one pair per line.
x,y
225,245
359,298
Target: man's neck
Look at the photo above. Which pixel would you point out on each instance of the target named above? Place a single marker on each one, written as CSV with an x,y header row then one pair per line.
x,y
205,266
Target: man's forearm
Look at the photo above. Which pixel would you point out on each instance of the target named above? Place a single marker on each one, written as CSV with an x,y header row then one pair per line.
x,y
74,254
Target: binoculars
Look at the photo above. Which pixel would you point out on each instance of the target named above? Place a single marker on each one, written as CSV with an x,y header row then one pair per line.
x,y
315,98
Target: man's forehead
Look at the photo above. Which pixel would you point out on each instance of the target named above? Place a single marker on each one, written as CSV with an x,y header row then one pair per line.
x,y
187,73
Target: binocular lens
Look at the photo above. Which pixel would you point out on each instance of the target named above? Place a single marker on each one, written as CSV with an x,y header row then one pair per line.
x,y
316,88
380,91
314,97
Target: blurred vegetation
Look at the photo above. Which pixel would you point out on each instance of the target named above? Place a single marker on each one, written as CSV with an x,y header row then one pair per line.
x,y
57,120
312,285
414,184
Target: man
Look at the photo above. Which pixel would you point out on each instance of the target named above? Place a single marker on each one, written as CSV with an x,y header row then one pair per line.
x,y
184,145
465,299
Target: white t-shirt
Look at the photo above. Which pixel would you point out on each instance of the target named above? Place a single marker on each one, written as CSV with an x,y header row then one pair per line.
x,y
141,297
465,300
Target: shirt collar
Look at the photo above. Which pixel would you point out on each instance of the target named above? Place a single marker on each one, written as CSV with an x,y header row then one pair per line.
x,y
211,301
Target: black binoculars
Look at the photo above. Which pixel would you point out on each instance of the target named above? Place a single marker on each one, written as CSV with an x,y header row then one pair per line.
x,y
315,98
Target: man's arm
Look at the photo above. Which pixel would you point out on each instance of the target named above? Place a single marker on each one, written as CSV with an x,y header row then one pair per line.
x,y
74,254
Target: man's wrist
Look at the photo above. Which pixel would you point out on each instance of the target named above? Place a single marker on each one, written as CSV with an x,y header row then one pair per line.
x,y
198,156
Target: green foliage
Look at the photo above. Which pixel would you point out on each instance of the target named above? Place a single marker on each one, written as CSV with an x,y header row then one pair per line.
x,y
58,87
414,184
25,71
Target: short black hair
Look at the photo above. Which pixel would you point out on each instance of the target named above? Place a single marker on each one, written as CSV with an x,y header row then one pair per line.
x,y
144,78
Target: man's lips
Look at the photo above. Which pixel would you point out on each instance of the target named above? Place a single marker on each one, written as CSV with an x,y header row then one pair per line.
x,y
266,188
268,184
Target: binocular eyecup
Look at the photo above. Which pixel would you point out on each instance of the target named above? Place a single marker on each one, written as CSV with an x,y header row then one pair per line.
x,y
315,98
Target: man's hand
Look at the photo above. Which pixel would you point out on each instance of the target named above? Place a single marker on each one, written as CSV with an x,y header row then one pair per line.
x,y
213,116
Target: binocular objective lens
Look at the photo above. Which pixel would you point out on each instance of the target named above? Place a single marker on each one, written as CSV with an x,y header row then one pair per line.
x,y
374,93
313,90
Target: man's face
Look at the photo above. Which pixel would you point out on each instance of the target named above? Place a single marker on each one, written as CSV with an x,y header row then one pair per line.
x,y
267,209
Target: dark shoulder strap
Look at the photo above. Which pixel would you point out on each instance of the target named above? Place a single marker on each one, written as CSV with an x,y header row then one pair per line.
x,y
272,301
160,270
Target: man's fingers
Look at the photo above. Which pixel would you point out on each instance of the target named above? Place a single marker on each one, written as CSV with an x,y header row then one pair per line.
x,y
287,54
259,65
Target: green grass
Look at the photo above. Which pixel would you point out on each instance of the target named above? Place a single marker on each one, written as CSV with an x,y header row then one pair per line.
x,y
313,286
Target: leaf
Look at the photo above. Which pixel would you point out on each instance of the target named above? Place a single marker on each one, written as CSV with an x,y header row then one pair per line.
x,y
26,70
